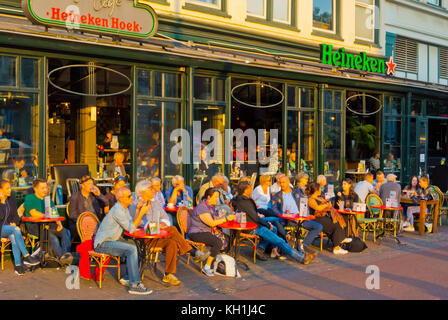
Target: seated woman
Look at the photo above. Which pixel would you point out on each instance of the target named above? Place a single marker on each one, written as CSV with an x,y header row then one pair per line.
x,y
346,198
203,219
9,220
326,216
411,190
266,230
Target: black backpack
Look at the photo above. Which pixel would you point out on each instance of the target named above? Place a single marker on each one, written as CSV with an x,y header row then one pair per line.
x,y
356,245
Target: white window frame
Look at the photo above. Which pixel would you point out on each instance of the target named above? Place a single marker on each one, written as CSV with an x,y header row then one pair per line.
x,y
370,7
289,13
437,5
334,20
265,9
205,4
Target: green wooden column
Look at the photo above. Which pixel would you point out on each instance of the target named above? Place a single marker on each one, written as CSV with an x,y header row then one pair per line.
x,y
42,159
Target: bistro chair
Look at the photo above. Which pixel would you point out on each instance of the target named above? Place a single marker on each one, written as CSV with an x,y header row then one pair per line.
x,y
87,225
442,210
251,241
4,248
182,221
73,186
30,240
253,178
291,236
385,224
369,224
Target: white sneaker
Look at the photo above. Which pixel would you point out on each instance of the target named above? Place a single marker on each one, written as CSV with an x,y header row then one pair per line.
x,y
124,282
340,251
409,229
347,240
406,224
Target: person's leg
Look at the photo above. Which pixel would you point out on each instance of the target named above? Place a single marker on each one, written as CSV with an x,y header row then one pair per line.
x,y
170,248
209,240
314,229
276,223
274,240
17,246
123,249
182,245
54,243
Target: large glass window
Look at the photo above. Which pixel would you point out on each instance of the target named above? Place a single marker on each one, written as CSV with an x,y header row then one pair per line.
x,y
19,121
158,114
212,3
272,11
300,126
332,135
324,14
281,10
256,7
392,136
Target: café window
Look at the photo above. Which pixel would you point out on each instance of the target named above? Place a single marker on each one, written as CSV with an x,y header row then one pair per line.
x,y
332,134
300,130
158,113
324,14
19,120
392,136
209,113
273,12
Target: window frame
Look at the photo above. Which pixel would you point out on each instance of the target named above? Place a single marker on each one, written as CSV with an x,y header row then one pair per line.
x,y
334,31
371,7
206,4
265,11
269,20
219,10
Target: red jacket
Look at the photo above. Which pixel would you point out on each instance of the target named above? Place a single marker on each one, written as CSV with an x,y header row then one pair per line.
x,y
84,262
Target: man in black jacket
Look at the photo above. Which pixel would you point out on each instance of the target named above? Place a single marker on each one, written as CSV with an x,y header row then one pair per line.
x,y
243,203
89,199
9,221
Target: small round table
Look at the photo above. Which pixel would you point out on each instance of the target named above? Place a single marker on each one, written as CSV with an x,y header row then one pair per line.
x,y
146,248
235,232
298,219
172,209
386,208
43,233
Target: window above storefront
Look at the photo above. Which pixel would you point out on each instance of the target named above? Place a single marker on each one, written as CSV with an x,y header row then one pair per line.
x,y
214,7
278,13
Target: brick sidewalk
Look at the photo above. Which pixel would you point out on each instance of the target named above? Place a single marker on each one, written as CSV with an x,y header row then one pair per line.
x,y
417,269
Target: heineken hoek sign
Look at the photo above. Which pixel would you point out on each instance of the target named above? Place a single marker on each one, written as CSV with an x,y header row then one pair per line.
x,y
340,58
126,18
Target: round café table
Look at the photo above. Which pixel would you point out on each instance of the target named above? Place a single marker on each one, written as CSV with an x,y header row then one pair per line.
x,y
298,219
235,232
386,208
145,248
43,233
350,215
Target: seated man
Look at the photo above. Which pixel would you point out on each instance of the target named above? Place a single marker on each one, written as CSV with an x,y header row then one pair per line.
x,y
288,200
391,186
89,199
302,182
110,196
363,188
58,236
157,186
217,182
178,192
265,230
378,181
108,239
173,244
18,175
9,221
116,168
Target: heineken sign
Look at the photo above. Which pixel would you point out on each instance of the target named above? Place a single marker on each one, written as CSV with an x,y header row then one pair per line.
x,y
126,18
362,62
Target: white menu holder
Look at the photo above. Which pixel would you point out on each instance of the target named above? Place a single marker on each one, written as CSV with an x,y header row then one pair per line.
x,y
303,210
47,202
359,207
114,142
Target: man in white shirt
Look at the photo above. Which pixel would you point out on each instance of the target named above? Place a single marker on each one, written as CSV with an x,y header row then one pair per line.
x,y
363,188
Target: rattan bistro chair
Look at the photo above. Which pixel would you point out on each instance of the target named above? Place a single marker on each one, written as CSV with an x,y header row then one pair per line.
x,y
4,248
182,221
87,225
443,210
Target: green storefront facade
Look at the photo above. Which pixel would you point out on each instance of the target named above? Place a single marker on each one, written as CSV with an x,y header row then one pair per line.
x,y
186,83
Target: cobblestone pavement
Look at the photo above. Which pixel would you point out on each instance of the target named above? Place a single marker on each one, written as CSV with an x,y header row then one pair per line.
x,y
415,269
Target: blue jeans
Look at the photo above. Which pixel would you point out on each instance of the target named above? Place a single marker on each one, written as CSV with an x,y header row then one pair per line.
x,y
59,241
17,243
270,237
276,222
314,229
123,248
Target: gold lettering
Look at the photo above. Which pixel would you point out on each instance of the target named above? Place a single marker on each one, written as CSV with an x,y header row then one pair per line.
x,y
106,4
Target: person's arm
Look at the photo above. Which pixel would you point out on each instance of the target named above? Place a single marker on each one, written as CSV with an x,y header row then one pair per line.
x,y
208,220
173,196
313,205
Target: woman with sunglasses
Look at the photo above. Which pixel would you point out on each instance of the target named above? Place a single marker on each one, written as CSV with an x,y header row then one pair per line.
x,y
203,218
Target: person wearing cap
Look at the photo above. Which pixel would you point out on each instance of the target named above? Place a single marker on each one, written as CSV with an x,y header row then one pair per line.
x,y
89,199
390,186
110,196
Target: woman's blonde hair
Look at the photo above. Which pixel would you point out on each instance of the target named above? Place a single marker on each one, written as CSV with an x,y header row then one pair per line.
x,y
265,178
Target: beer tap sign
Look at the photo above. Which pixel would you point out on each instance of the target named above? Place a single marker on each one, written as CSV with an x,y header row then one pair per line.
x,y
120,18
